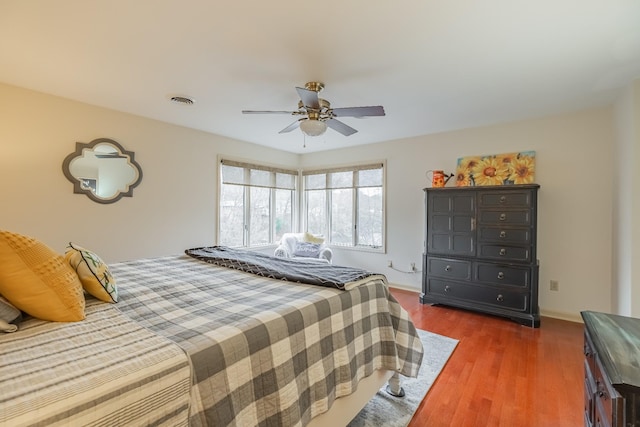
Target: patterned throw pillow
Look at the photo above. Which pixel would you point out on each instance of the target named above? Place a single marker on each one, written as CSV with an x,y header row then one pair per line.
x,y
307,250
38,281
9,316
93,273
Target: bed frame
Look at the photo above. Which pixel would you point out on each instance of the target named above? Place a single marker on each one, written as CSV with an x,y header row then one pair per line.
x,y
346,408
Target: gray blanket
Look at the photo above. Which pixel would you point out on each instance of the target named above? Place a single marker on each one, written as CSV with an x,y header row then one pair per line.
x,y
298,270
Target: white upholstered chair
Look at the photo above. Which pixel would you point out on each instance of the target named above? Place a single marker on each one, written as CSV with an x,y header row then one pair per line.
x,y
303,246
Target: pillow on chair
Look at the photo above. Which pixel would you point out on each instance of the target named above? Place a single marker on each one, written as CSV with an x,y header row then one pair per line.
x,y
308,237
307,250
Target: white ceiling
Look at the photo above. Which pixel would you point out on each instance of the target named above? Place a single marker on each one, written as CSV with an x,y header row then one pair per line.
x,y
435,65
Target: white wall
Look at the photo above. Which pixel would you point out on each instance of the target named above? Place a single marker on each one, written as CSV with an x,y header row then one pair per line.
x,y
574,166
626,207
175,206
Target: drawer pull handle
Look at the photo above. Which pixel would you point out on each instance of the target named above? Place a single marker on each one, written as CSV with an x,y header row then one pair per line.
x,y
503,252
447,268
500,275
500,298
503,234
503,199
503,217
447,288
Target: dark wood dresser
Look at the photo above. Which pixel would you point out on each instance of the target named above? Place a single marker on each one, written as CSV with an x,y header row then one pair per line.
x,y
611,370
480,250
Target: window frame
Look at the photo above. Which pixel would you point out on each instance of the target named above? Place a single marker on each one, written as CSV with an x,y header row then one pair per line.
x,y
246,183
355,203
299,220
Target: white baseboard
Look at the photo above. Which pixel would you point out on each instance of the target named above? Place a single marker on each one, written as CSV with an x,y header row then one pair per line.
x,y
561,315
404,288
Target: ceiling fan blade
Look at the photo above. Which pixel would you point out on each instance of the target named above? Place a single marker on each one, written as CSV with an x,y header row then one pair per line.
x,y
309,98
338,126
291,127
376,110
266,112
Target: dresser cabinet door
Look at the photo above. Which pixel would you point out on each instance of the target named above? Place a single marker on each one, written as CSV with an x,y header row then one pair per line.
x,y
451,223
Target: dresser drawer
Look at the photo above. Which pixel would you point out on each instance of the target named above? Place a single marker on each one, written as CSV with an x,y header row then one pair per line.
x,y
507,198
478,294
608,402
502,252
589,393
503,275
449,268
508,217
506,235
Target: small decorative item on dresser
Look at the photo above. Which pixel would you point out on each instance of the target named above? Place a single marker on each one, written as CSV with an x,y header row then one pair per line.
x,y
438,178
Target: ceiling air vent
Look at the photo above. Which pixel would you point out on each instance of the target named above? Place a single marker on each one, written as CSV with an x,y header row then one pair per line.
x,y
182,100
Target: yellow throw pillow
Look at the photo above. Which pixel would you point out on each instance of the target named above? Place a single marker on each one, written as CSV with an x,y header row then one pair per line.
x,y
93,273
308,237
38,281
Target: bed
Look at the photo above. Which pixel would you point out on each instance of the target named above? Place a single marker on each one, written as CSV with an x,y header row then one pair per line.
x,y
194,343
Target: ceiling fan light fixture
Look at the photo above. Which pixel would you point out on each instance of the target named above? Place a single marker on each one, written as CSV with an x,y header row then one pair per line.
x,y
311,127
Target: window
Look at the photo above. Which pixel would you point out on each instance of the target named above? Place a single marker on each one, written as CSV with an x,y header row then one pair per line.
x,y
256,204
347,205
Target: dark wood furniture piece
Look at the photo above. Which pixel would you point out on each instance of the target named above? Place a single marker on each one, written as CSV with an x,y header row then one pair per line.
x,y
611,370
480,250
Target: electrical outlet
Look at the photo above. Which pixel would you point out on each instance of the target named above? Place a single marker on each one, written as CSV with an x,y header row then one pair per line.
x,y
553,285
389,264
413,266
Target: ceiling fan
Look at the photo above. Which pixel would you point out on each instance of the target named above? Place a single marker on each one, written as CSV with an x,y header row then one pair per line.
x,y
317,113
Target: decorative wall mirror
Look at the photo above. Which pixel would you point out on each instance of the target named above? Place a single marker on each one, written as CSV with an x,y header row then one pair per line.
x,y
103,170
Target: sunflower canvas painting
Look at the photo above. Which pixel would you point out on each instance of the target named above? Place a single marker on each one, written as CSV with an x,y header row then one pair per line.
x,y
497,169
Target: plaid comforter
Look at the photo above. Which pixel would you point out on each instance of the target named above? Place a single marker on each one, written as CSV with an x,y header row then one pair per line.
x,y
264,351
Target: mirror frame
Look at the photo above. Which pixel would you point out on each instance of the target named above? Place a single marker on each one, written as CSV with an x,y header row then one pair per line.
x,y
77,187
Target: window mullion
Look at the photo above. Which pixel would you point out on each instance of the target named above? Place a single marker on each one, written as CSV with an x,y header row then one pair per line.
x,y
247,209
329,200
354,210
355,216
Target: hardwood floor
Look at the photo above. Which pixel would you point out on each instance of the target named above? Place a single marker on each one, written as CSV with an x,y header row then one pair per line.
x,y
501,373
